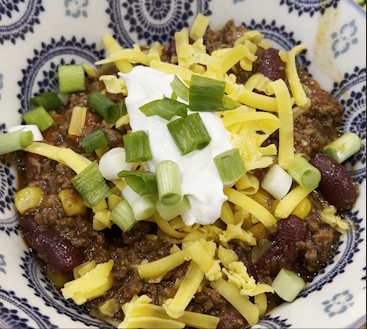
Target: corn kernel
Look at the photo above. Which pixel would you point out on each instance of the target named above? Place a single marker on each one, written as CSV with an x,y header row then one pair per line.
x,y
72,203
28,198
303,209
259,231
109,308
113,201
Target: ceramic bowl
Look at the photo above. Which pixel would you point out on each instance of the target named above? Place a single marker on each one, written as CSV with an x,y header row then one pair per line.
x,y
38,35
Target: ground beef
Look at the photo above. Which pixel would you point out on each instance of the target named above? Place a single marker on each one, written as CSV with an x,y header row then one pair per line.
x,y
319,126
225,38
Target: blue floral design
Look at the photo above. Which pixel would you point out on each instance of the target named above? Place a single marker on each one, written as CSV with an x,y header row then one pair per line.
x,y
274,323
281,36
2,263
53,297
354,116
45,56
339,303
152,20
11,318
1,82
309,6
75,8
345,39
26,24
8,6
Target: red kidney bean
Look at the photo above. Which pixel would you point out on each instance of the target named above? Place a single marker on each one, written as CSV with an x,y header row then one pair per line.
x,y
272,66
61,253
285,250
336,185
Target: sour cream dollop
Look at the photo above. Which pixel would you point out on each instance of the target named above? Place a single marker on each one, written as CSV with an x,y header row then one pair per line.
x,y
199,175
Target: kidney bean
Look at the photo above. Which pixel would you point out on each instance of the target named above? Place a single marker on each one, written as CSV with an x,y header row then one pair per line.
x,y
245,259
272,66
336,185
285,250
61,253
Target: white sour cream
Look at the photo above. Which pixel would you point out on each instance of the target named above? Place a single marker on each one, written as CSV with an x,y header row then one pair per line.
x,y
200,179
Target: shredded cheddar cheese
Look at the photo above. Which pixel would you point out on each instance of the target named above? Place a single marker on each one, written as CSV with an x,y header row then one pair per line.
x,y
176,307
238,276
286,131
293,78
251,206
328,215
291,201
143,307
91,285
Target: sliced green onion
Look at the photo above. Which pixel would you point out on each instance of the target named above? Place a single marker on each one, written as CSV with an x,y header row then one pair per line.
x,y
174,96
142,182
15,141
71,78
39,117
137,147
123,216
288,285
50,101
229,104
180,88
344,147
207,95
189,133
304,173
169,182
230,166
144,207
166,108
64,98
113,162
129,194
104,106
169,212
91,185
123,107
94,141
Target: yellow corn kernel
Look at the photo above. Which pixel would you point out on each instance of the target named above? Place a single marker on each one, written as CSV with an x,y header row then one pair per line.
x,y
303,209
113,201
28,198
109,308
259,231
262,197
72,203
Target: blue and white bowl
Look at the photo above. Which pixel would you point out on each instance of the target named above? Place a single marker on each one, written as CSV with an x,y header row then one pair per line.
x,y
38,35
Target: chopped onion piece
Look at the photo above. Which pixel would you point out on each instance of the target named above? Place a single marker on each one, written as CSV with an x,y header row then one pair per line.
x,y
277,182
130,195
37,135
113,162
144,207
